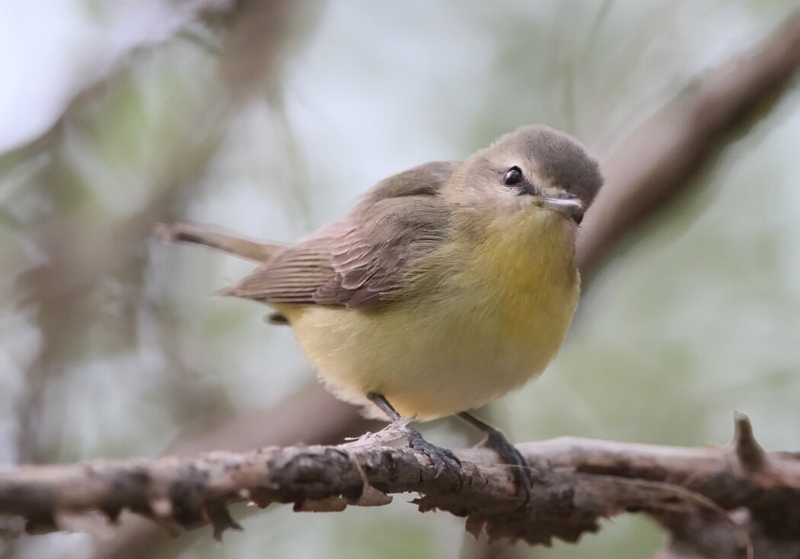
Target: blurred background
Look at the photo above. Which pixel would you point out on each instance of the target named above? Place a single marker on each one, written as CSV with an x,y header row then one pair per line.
x,y
270,118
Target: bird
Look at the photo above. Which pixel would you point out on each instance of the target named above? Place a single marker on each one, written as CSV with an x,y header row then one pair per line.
x,y
446,287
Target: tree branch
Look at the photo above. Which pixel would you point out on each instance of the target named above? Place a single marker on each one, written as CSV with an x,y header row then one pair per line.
x,y
654,163
579,481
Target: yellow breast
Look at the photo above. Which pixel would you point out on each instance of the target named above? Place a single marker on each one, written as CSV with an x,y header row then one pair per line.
x,y
497,315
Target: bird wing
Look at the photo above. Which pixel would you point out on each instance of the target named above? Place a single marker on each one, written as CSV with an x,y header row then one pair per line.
x,y
363,260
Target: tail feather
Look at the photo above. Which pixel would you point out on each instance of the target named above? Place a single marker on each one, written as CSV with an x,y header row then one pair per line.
x,y
229,243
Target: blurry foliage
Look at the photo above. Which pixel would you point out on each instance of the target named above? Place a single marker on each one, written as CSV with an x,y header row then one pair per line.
x,y
111,346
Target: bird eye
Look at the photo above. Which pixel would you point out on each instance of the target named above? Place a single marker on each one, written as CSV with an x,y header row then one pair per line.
x,y
513,176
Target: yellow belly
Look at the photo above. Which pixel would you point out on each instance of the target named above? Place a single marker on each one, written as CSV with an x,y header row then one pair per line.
x,y
491,325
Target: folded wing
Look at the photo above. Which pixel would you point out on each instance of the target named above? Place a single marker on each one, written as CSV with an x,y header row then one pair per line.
x,y
362,261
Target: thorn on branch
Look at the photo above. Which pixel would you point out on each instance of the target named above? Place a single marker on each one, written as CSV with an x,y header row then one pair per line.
x,y
750,454
43,524
221,519
112,514
371,497
333,503
258,497
475,526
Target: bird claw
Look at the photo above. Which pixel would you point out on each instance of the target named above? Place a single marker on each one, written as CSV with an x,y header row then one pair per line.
x,y
521,470
441,457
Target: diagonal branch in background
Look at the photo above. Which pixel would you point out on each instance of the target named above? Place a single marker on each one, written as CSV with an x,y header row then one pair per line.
x,y
655,162
579,481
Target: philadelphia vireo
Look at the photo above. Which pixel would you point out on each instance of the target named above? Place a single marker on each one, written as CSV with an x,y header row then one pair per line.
x,y
448,286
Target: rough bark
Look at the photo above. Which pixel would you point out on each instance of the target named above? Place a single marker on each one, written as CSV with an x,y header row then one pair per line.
x,y
723,499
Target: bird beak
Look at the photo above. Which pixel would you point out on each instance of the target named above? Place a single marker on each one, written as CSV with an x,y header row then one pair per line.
x,y
571,207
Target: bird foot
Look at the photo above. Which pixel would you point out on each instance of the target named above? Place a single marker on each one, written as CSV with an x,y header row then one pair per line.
x,y
523,473
442,458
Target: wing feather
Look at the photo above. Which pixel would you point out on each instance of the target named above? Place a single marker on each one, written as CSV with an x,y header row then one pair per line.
x,y
361,261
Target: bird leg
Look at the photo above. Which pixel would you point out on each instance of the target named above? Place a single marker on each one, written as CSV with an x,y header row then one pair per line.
x,y
442,458
497,441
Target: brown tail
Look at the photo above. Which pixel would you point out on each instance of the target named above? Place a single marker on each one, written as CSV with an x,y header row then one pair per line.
x,y
211,237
